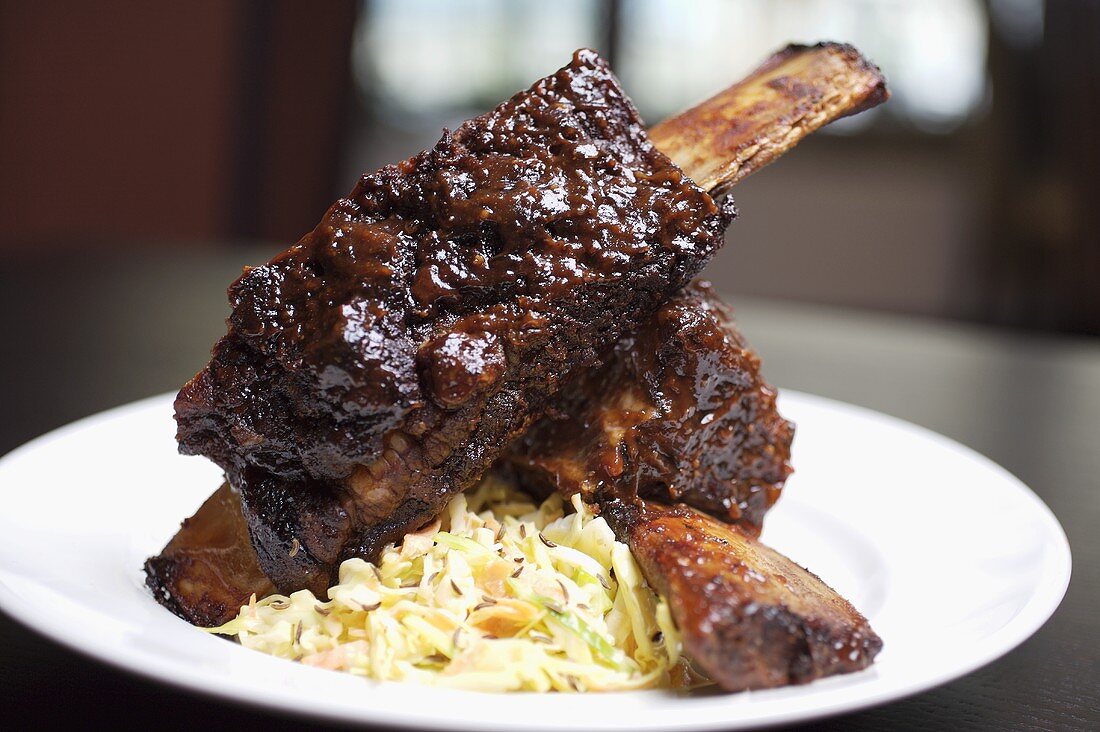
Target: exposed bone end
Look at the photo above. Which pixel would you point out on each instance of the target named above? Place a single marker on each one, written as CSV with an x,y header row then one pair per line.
x,y
750,124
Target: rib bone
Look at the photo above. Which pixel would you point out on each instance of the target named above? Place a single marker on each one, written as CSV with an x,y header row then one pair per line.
x,y
750,124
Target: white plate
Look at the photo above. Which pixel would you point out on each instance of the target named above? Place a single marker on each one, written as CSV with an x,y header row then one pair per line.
x,y
954,561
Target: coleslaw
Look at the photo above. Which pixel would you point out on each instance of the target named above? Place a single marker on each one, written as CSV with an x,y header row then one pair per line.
x,y
498,594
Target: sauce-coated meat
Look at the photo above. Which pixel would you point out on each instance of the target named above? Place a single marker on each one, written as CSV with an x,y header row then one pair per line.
x,y
680,413
386,360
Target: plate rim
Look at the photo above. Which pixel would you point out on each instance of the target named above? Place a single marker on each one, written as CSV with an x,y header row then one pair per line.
x,y
1041,605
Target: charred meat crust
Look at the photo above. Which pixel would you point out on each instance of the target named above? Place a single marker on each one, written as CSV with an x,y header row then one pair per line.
x,y
749,617
386,360
679,413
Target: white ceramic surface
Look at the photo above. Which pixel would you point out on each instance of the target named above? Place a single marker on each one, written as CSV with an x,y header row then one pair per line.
x,y
954,561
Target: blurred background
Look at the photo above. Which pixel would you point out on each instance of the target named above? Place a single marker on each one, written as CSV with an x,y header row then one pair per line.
x,y
136,128
937,259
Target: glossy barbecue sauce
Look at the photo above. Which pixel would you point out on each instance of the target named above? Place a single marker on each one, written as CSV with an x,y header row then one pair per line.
x,y
679,413
387,360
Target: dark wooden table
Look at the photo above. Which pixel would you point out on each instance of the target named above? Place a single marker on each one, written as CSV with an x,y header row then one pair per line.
x,y
82,334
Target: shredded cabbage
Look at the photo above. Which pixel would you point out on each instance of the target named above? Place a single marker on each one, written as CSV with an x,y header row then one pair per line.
x,y
496,595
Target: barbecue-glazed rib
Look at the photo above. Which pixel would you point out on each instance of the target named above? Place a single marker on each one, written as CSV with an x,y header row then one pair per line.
x,y
680,413
748,616
173,572
382,364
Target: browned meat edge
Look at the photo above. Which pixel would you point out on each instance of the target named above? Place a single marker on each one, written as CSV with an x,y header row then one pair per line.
x,y
749,617
679,413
